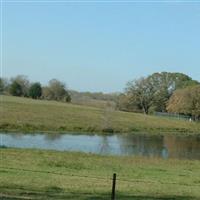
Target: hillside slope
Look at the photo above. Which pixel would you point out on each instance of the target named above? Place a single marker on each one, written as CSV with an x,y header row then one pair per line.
x,y
23,114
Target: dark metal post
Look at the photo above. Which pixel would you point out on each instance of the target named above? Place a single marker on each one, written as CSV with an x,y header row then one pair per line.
x,y
113,187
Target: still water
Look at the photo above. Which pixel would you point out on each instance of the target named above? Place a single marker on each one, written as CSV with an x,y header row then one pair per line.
x,y
180,147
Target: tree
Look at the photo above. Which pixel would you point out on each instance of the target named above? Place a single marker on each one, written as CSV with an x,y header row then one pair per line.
x,y
165,83
67,97
35,91
142,93
46,93
16,89
56,90
23,82
4,85
153,92
124,103
186,101
1,86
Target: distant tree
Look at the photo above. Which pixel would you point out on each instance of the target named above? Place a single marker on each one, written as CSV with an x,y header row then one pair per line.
x,y
23,82
56,90
4,85
126,102
88,97
47,93
142,93
35,91
16,89
123,102
67,97
153,92
186,101
1,86
165,83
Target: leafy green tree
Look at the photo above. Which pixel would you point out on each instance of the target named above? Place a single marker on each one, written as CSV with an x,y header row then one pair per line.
x,y
1,86
16,89
23,82
35,91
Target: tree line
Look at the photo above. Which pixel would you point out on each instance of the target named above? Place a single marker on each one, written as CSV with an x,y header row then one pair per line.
x,y
159,92
162,92
22,87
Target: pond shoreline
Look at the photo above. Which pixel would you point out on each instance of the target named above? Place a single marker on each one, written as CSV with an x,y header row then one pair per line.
x,y
162,132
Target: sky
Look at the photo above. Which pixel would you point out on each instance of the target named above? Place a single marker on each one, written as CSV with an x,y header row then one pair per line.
x,y
99,45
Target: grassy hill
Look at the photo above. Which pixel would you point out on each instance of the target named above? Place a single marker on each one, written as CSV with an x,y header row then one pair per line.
x,y
23,114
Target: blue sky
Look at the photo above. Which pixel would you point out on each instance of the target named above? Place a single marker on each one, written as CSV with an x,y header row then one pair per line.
x,y
100,46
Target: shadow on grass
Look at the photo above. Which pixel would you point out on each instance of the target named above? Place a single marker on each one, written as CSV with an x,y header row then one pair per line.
x,y
58,193
95,197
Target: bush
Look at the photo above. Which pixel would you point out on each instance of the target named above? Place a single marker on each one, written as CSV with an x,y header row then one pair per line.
x,y
35,91
16,89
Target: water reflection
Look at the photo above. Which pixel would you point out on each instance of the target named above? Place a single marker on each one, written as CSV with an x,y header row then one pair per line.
x,y
169,146
183,147
104,145
161,146
143,145
53,137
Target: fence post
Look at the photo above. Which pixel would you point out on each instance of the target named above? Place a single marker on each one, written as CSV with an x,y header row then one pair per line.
x,y
113,187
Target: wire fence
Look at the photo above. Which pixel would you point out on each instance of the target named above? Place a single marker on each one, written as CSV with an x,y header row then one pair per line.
x,y
173,116
111,181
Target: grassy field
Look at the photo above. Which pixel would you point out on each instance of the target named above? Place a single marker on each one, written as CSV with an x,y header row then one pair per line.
x,y
37,174
23,114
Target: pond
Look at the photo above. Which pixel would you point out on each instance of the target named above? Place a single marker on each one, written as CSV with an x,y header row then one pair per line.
x,y
169,146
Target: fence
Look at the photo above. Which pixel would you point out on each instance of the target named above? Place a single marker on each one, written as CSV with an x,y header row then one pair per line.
x,y
173,116
114,182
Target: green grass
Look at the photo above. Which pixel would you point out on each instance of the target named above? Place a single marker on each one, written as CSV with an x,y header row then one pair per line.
x,y
23,114
37,174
